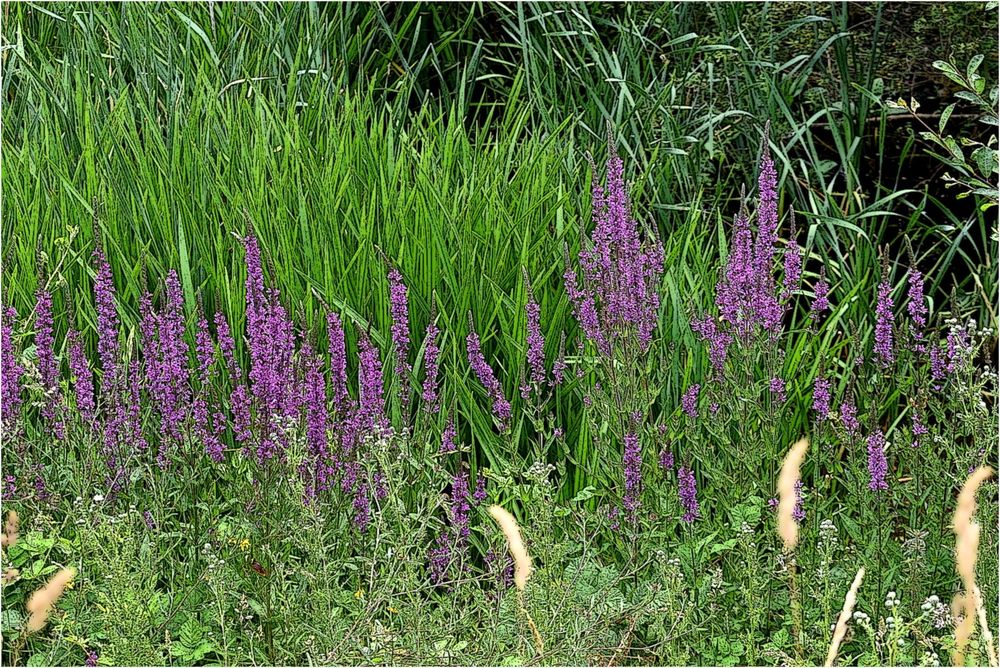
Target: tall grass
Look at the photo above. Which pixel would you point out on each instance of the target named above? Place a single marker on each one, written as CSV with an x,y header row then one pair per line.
x,y
337,131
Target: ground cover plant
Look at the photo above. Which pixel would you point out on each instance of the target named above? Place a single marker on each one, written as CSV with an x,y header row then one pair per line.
x,y
302,364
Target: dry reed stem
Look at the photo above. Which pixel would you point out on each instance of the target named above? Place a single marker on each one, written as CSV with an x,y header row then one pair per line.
x,y
788,529
984,627
10,530
845,616
41,602
966,554
522,565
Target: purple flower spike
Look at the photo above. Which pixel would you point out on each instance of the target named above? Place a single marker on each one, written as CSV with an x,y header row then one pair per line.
x,y
878,466
632,465
399,309
501,407
48,366
432,352
883,348
689,402
821,398
687,489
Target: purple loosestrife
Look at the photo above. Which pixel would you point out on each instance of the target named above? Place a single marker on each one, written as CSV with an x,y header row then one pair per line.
x,y
12,372
338,361
48,366
534,339
878,466
205,354
429,393
883,348
666,460
793,265
916,307
632,466
501,407
821,398
733,293
768,311
318,469
439,559
798,512
449,436
777,388
821,301
618,298
371,404
108,347
460,507
559,366
167,368
82,377
687,490
239,397
919,428
689,402
399,309
939,367
849,417
717,339
362,507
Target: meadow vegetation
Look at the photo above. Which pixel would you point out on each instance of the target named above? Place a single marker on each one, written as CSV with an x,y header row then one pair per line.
x,y
350,334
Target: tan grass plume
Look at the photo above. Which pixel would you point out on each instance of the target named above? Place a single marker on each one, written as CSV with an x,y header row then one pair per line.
x,y
845,616
522,562
41,602
966,555
522,565
788,529
10,529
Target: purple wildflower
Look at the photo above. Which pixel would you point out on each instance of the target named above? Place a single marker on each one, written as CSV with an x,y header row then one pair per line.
x,y
460,507
687,490
733,293
777,387
318,469
91,660
479,496
718,340
13,371
167,370
501,407
793,266
821,397
147,518
371,404
362,508
338,360
439,558
559,366
878,466
82,376
666,460
448,437
399,310
632,466
916,307
821,301
535,341
429,395
919,428
108,347
48,366
939,367
883,325
205,353
619,299
798,512
689,402
849,417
